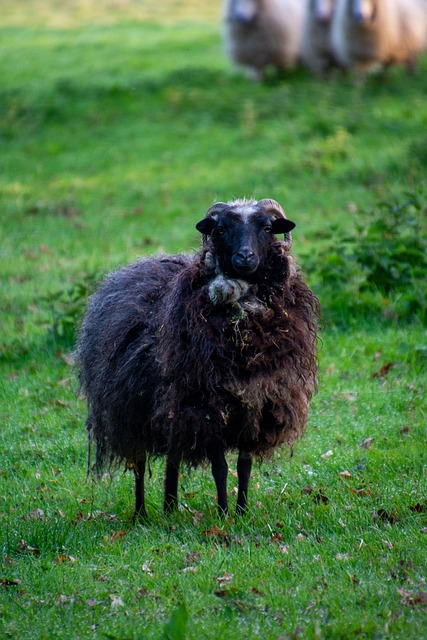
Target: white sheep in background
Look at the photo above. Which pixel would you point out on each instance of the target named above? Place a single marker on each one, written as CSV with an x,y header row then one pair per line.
x,y
262,33
316,47
366,34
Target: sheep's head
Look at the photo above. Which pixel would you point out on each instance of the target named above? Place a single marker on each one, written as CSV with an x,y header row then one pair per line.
x,y
243,12
322,10
241,233
363,11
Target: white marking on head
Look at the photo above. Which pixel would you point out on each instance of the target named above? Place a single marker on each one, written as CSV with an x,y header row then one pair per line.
x,y
322,10
243,208
363,10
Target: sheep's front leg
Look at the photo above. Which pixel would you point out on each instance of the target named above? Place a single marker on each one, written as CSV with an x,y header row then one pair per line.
x,y
219,472
244,466
139,472
173,462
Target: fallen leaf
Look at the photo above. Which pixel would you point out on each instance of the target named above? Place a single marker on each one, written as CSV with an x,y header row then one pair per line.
x,y
413,598
276,537
198,516
420,507
383,371
310,605
9,582
225,579
62,403
366,443
80,516
36,514
388,544
345,474
63,557
190,494
385,516
327,455
192,557
283,548
147,569
117,535
23,547
320,497
226,593
189,570
214,532
116,601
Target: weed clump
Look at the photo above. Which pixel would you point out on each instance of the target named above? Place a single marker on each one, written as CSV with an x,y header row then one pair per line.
x,y
67,307
378,269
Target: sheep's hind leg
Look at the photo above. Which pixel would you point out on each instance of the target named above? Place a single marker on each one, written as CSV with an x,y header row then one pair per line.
x,y
219,472
171,482
139,472
244,466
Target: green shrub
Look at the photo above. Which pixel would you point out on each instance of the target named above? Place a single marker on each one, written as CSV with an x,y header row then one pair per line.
x,y
68,307
379,267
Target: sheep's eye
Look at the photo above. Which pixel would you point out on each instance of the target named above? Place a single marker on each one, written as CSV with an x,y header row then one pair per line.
x,y
267,228
221,231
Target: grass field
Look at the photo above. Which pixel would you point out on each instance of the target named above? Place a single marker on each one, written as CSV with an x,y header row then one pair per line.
x,y
120,123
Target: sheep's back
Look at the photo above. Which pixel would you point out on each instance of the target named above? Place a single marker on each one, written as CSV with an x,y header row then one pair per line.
x,y
274,37
381,42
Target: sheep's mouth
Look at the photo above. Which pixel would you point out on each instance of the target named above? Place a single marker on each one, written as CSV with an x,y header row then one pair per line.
x,y
245,265
245,270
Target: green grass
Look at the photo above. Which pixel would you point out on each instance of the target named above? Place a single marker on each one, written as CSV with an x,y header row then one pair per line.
x,y
120,123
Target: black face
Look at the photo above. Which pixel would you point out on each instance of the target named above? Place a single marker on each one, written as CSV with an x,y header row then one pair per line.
x,y
242,241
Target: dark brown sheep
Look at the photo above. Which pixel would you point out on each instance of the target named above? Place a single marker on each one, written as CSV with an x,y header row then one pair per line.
x,y
192,356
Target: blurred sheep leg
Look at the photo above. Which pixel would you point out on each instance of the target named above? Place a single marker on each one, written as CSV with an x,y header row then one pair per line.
x,y
139,471
219,472
244,466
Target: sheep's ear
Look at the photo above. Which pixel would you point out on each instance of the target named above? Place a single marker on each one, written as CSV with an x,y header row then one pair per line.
x,y
282,225
206,226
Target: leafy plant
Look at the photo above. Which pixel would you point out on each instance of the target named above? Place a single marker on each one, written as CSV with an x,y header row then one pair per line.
x,y
380,266
393,251
68,307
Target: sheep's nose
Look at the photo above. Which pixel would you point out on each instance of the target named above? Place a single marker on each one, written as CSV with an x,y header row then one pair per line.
x,y
242,18
245,255
245,260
